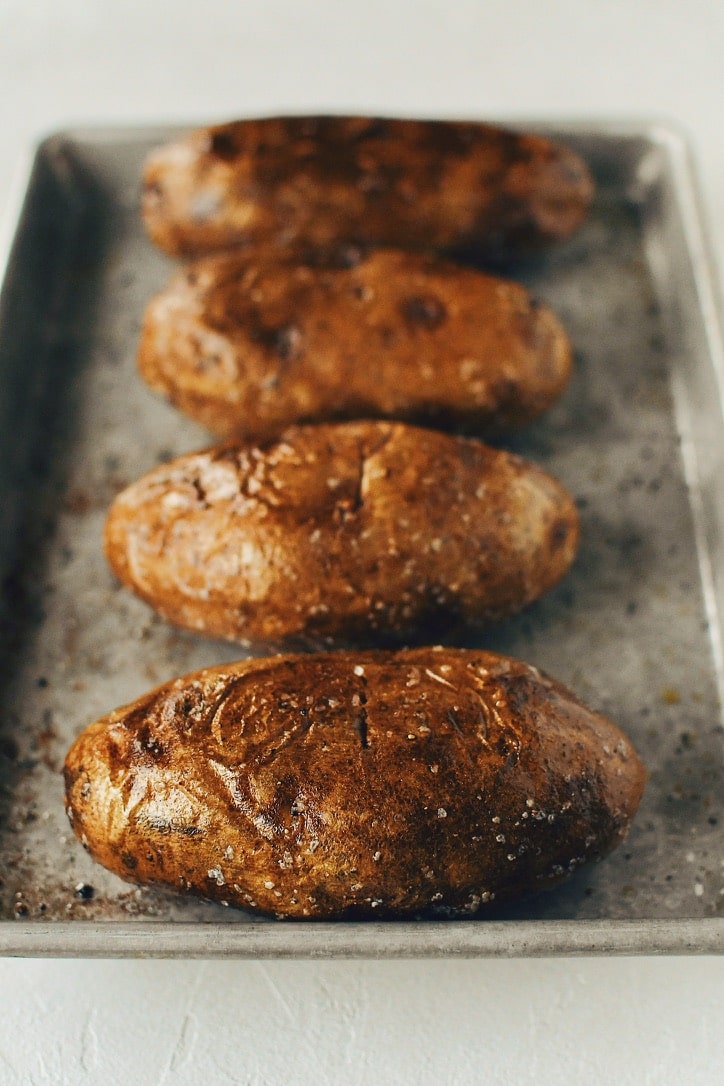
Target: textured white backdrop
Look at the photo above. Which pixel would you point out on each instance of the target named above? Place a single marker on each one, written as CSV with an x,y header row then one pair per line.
x,y
623,1021
630,1022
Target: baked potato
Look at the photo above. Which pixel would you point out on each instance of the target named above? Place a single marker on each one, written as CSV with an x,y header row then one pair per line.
x,y
293,181
249,342
349,533
354,785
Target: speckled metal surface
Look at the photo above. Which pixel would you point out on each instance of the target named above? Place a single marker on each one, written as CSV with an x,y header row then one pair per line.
x,y
634,629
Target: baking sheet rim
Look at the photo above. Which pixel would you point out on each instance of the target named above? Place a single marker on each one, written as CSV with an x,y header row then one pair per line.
x,y
423,939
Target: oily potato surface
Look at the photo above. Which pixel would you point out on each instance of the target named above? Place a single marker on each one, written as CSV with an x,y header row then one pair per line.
x,y
355,784
250,342
360,532
318,180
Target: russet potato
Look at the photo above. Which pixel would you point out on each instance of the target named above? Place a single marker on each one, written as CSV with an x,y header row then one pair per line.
x,y
342,534
250,342
354,784
293,181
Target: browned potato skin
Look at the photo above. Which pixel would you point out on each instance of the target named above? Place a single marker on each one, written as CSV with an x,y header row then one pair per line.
x,y
342,534
354,785
320,180
247,343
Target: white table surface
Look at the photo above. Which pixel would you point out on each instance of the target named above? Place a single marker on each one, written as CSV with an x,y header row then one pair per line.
x,y
617,1021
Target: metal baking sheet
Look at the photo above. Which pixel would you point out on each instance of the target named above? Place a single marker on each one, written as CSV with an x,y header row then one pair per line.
x,y
635,628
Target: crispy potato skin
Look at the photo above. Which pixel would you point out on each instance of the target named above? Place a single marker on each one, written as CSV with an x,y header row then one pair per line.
x,y
250,342
355,784
343,534
319,180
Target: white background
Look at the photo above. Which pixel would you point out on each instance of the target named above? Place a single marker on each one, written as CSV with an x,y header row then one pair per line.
x,y
620,1021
